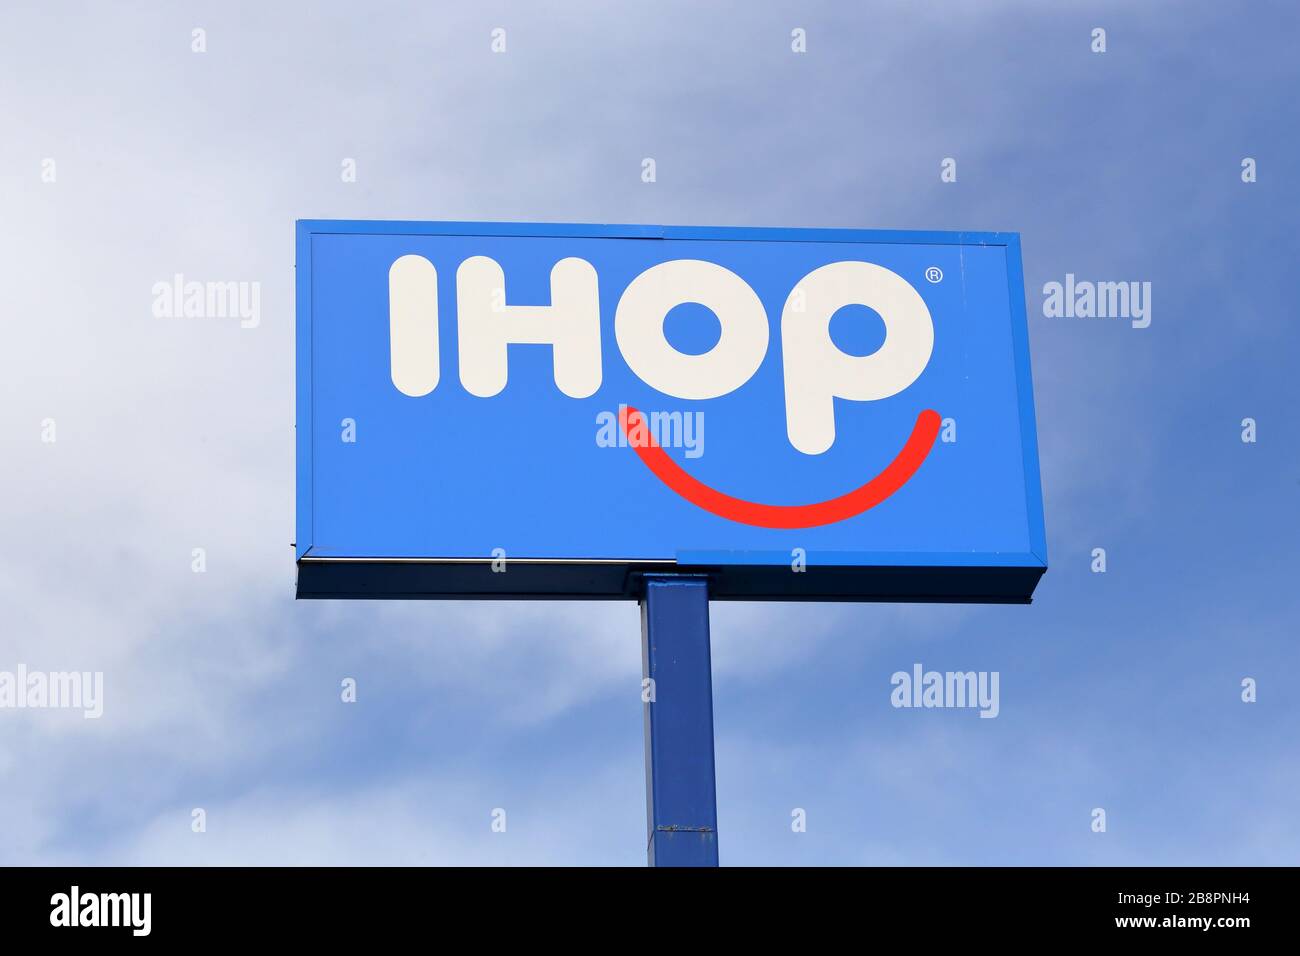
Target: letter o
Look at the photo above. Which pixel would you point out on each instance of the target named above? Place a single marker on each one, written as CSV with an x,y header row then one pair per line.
x,y
639,329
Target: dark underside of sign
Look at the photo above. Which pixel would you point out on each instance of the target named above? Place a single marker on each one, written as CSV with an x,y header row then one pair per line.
x,y
370,579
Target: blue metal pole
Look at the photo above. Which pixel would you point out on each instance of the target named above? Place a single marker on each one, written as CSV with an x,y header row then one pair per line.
x,y
681,796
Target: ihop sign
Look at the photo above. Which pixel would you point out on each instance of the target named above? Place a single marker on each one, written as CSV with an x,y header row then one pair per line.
x,y
866,398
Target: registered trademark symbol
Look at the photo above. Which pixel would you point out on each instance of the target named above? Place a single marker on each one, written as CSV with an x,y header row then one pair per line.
x,y
934,274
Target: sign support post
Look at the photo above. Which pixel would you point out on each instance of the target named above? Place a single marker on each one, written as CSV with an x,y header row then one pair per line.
x,y
681,793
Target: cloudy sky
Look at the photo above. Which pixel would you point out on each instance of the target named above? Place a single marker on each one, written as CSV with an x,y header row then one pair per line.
x,y
127,157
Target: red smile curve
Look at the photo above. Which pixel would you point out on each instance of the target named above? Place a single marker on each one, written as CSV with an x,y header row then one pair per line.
x,y
894,476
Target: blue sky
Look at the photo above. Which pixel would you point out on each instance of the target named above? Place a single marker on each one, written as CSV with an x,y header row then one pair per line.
x,y
1118,690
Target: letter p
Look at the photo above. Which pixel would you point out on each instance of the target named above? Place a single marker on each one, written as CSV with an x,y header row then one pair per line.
x,y
816,372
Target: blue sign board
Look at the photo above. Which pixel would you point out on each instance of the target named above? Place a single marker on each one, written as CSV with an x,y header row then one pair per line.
x,y
539,410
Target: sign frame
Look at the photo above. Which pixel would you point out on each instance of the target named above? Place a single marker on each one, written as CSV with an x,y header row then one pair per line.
x,y
959,577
